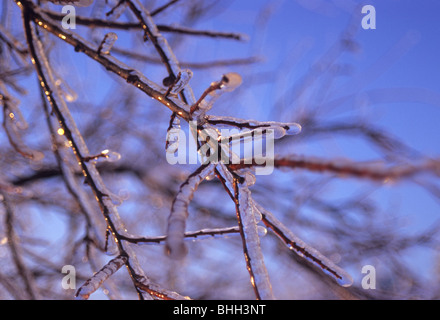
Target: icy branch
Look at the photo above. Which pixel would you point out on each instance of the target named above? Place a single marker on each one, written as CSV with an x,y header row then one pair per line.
x,y
179,212
93,284
302,249
132,76
191,235
251,242
227,83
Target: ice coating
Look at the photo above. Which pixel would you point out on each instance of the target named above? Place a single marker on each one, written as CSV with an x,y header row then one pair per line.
x,y
111,156
278,132
92,284
290,128
183,80
68,93
304,250
14,123
230,81
107,43
165,48
179,212
258,272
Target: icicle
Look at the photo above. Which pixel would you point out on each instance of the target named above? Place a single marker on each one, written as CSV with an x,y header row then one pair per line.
x,y
93,283
107,43
179,212
303,250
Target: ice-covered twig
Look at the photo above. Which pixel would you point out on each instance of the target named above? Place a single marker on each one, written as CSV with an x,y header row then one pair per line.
x,y
76,142
157,292
13,123
206,33
93,283
94,224
227,83
291,128
79,3
179,211
12,42
163,7
191,235
251,241
302,249
161,45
